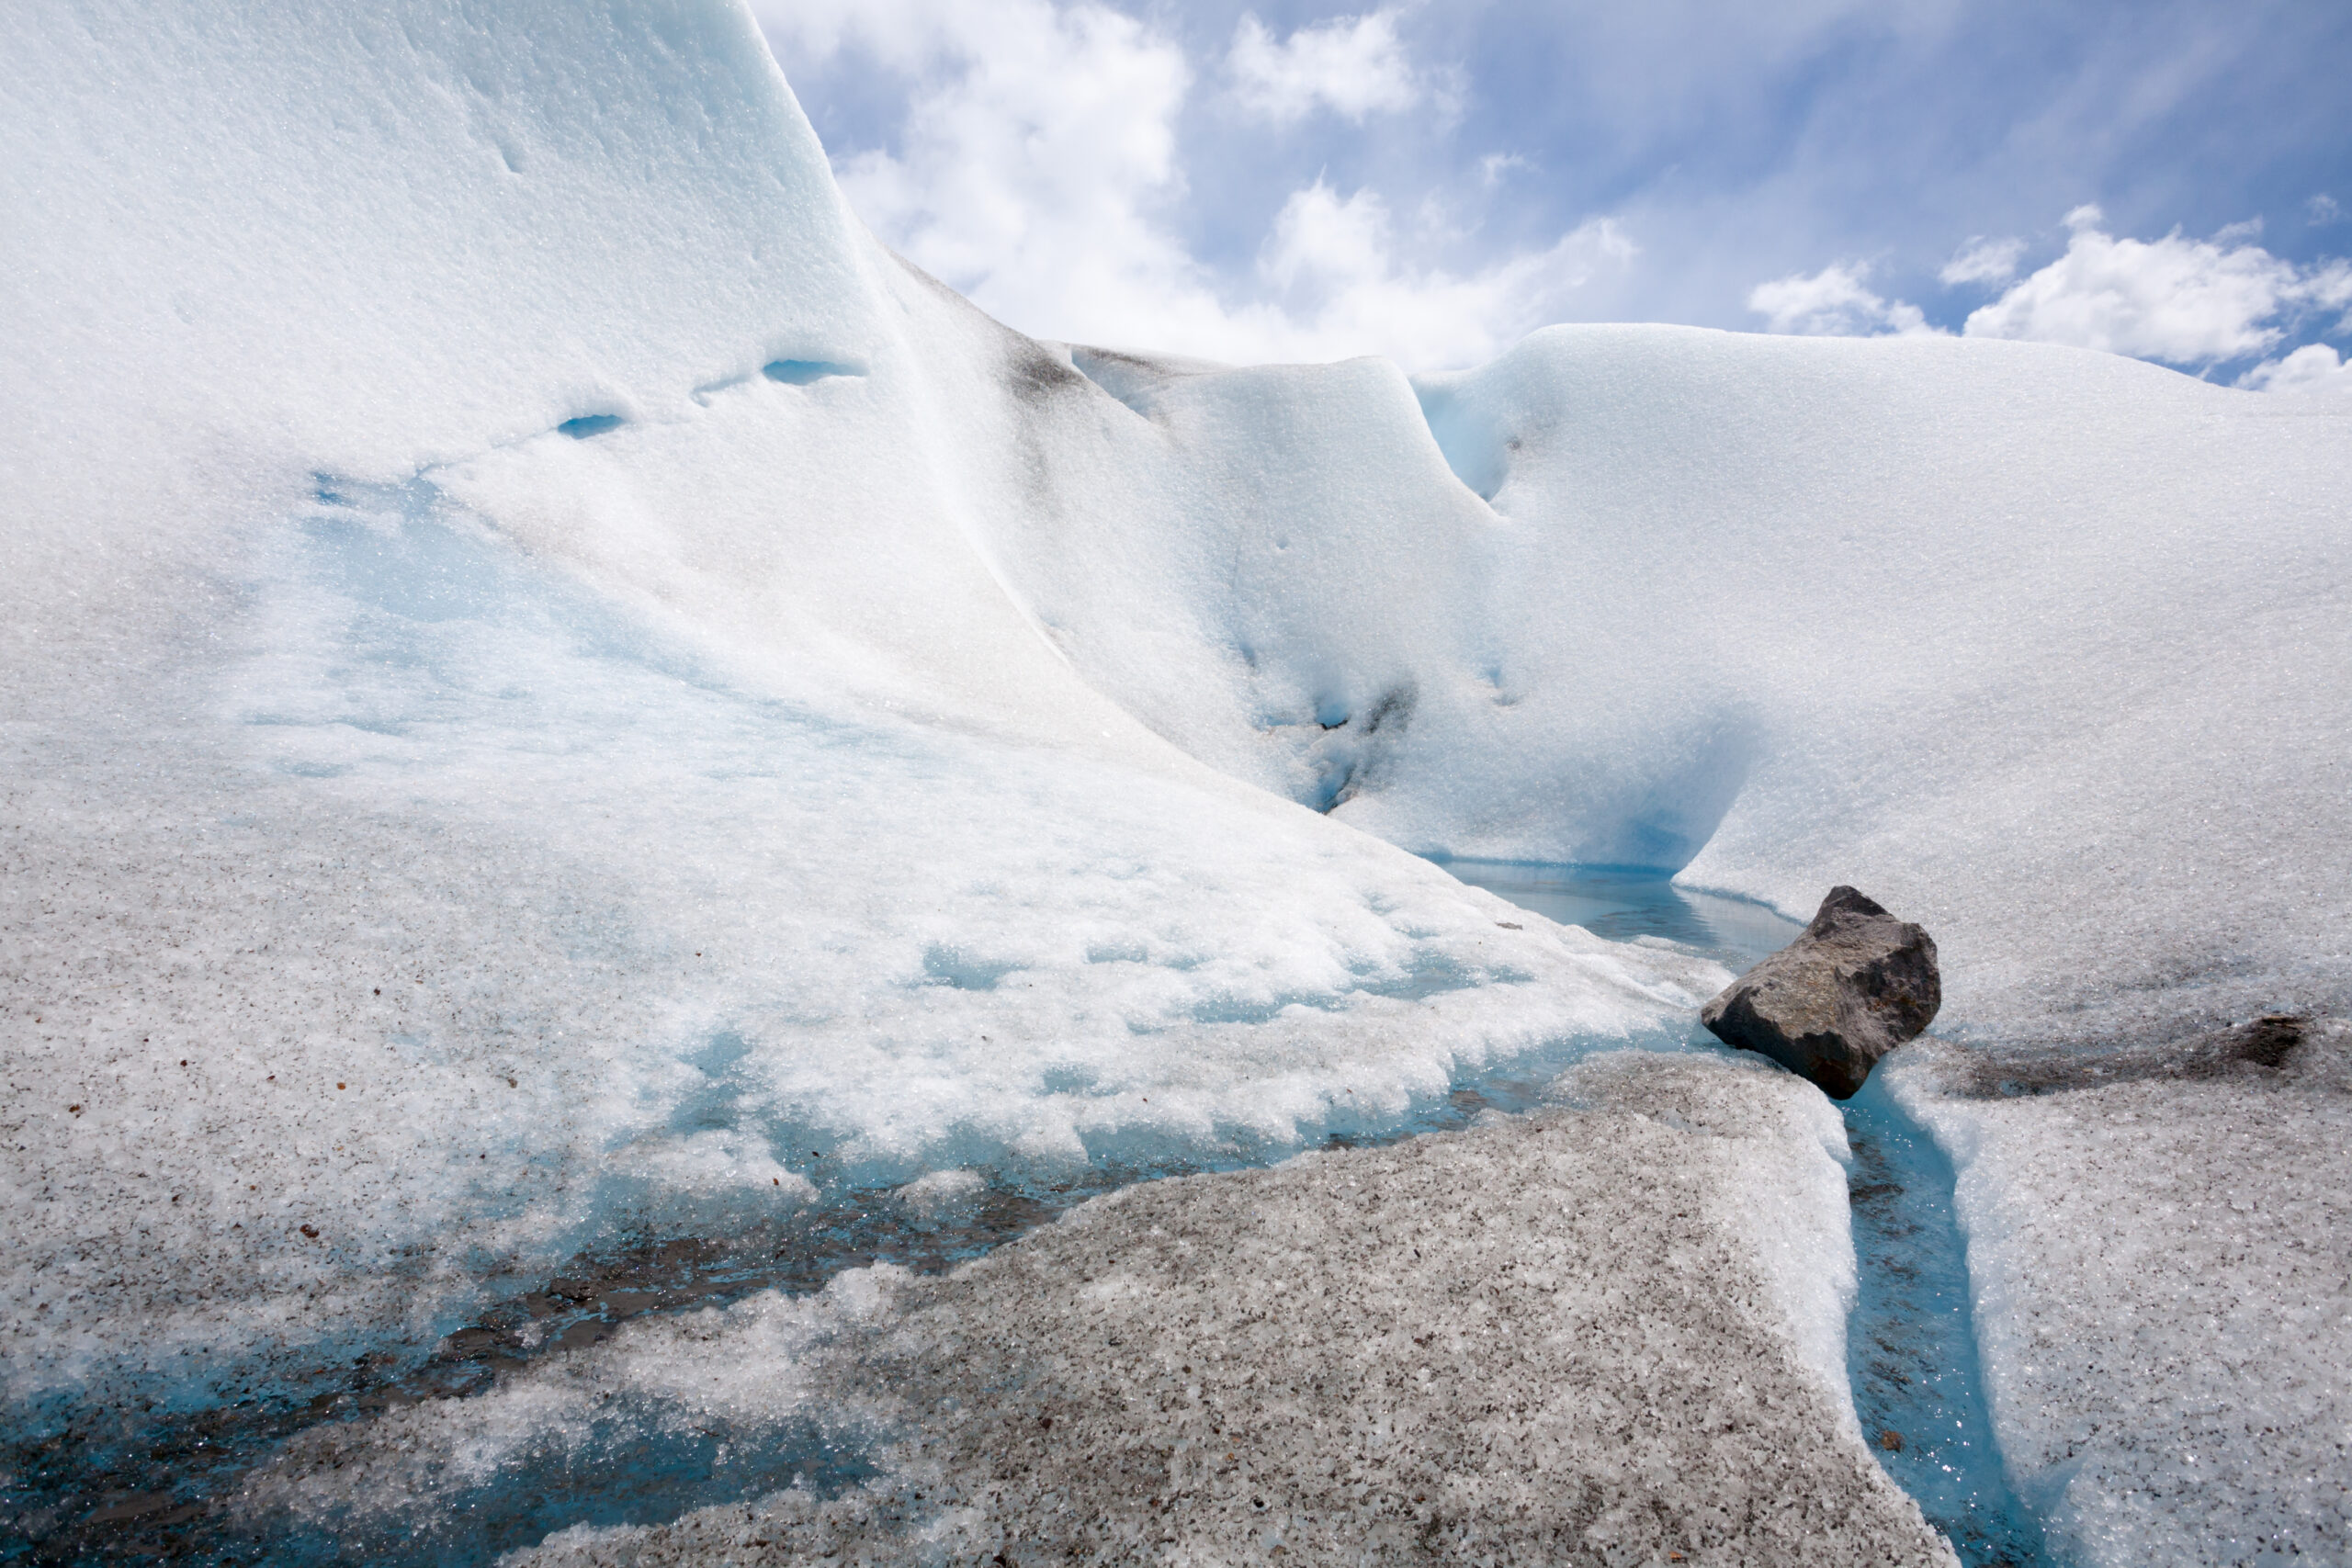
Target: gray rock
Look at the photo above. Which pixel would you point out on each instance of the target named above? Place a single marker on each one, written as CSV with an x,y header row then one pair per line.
x,y
1857,984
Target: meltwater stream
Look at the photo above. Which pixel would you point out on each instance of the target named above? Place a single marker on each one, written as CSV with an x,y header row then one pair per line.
x,y
1911,1340
168,1494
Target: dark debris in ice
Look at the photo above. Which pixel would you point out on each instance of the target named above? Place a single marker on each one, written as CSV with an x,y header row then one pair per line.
x,y
2276,1048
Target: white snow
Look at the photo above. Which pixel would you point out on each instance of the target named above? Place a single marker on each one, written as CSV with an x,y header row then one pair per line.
x,y
553,689
2045,649
270,238
443,834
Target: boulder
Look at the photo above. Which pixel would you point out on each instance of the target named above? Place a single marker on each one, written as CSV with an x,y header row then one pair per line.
x,y
1857,984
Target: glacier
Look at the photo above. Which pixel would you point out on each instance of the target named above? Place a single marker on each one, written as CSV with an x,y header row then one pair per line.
x,y
557,692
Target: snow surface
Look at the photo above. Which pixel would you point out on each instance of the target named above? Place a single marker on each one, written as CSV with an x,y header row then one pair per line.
x,y
2045,649
554,688
2160,1271
515,737
1477,1343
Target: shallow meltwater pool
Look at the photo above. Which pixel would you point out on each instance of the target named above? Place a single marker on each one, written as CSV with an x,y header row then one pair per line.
x,y
1623,905
168,1490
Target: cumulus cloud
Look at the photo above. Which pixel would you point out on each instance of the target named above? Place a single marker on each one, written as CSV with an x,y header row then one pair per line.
x,y
1833,303
1038,151
2176,300
2315,367
1983,261
1037,169
2322,210
1353,66
1334,264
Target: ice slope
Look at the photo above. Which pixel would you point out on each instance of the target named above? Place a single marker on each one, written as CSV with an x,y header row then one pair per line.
x,y
514,732
2048,649
263,236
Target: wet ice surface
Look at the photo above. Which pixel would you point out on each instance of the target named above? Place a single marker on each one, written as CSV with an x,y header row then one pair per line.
x,y
1607,1331
1911,1340
1911,1349
2160,1238
1625,904
169,1489
110,1486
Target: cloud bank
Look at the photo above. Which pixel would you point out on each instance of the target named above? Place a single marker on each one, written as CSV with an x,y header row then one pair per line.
x,y
2183,301
1832,303
1246,181
2315,367
1038,170
1353,66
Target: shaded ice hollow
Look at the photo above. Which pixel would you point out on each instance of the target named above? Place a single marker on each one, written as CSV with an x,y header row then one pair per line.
x,y
476,832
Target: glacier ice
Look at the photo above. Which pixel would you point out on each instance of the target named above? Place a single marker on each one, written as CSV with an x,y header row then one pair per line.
x,y
556,691
471,922
2160,1271
1966,624
449,831
1482,1342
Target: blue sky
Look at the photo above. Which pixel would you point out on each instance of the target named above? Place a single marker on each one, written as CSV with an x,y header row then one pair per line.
x,y
1431,181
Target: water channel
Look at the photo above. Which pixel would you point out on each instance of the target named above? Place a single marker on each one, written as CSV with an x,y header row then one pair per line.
x,y
155,1493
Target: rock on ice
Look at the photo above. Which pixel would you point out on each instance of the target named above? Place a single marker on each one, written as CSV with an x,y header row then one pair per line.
x,y
1857,984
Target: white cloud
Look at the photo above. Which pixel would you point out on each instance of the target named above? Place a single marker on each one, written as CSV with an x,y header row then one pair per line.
x,y
1832,303
2315,367
1319,237
1355,66
1334,263
2322,210
1983,261
1036,159
2181,300
1495,167
1037,171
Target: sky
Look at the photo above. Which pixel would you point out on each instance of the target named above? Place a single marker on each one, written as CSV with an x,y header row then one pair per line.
x,y
1432,181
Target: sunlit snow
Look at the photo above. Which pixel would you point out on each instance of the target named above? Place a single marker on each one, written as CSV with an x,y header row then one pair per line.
x,y
557,693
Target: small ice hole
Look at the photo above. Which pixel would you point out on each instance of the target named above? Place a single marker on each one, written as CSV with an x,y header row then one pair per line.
x,y
801,372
